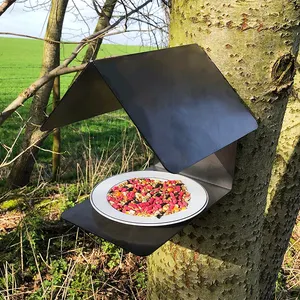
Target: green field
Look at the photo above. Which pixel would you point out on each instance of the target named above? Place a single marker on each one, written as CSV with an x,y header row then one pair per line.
x,y
20,64
92,150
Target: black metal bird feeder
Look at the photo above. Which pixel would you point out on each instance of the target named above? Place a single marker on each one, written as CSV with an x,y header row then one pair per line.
x,y
186,111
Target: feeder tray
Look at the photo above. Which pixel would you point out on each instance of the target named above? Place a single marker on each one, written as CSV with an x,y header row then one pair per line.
x,y
186,111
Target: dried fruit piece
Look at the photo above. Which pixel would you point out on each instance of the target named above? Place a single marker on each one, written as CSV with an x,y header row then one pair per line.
x,y
149,197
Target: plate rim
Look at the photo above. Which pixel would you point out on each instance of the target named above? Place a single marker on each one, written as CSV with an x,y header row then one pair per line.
x,y
145,224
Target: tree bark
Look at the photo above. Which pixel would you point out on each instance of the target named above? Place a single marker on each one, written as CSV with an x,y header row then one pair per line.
x,y
103,21
22,168
56,143
104,17
5,5
254,45
283,195
90,54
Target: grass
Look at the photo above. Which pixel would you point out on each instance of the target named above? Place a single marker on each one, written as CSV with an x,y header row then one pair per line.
x,y
49,259
42,257
20,63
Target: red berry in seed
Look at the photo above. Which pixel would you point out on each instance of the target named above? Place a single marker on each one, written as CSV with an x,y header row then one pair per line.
x,y
171,196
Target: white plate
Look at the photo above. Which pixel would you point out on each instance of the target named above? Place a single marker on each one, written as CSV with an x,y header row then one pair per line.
x,y
197,203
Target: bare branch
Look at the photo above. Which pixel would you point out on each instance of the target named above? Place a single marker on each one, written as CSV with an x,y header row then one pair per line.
x,y
6,164
5,5
100,11
96,7
96,34
10,149
36,38
27,93
78,10
63,68
167,3
103,21
126,13
150,24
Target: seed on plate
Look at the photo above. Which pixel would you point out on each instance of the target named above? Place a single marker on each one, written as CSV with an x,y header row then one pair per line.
x,y
149,197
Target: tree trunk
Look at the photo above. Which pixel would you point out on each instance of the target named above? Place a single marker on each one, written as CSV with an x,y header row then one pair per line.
x,y
104,17
254,45
283,195
22,168
56,144
5,5
90,54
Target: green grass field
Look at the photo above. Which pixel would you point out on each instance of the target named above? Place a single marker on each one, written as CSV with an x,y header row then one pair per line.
x,y
21,59
20,64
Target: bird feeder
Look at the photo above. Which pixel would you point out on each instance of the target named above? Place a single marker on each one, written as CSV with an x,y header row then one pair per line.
x,y
186,111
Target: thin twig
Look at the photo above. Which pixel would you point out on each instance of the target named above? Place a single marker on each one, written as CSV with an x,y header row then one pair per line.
x,y
2,165
47,150
36,38
63,68
10,149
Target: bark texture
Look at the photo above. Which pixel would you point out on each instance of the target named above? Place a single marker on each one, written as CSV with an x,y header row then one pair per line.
x,y
104,17
254,45
56,144
22,168
5,5
283,196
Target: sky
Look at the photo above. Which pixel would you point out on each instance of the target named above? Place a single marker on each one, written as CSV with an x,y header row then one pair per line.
x,y
29,19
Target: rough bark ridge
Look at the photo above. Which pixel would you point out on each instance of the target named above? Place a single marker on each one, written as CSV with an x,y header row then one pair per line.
x,y
253,43
56,144
21,171
104,17
283,197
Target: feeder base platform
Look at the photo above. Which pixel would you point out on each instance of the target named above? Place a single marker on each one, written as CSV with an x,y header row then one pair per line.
x,y
139,240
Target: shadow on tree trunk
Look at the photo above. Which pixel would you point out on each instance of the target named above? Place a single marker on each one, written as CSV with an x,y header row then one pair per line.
x,y
276,231
278,223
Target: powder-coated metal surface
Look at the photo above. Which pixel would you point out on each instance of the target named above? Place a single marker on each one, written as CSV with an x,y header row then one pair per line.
x,y
210,173
177,97
186,111
136,239
89,96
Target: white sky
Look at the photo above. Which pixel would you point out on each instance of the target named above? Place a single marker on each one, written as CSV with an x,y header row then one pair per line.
x,y
21,18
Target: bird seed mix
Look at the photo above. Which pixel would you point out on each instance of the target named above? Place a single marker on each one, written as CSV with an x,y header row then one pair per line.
x,y
149,197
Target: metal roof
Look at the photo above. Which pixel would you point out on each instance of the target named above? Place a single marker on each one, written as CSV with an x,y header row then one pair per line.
x,y
178,99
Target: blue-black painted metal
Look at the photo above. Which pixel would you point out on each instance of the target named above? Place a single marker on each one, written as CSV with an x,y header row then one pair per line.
x,y
177,98
185,109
